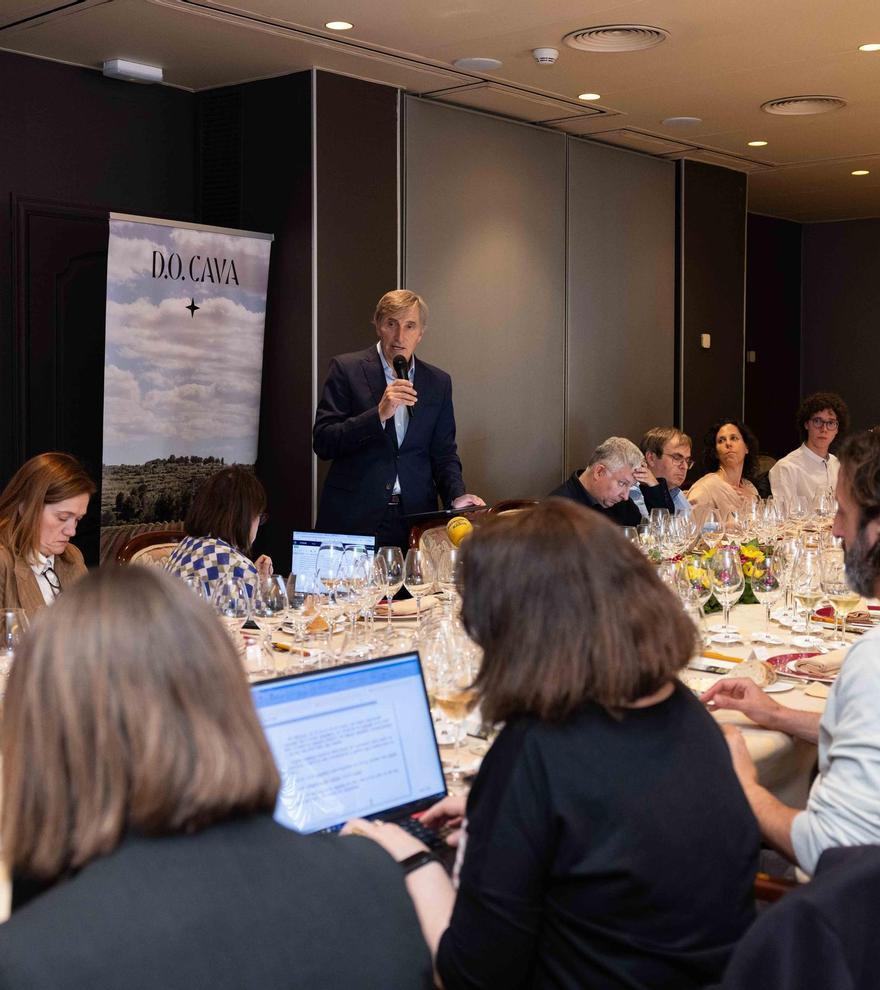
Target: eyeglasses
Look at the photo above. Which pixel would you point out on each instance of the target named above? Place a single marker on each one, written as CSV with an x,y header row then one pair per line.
x,y
829,424
680,459
264,518
52,580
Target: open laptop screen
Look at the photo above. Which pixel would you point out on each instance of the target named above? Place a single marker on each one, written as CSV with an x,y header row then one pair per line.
x,y
351,742
307,544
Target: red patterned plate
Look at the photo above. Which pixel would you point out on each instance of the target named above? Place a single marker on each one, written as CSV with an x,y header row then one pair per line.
x,y
785,662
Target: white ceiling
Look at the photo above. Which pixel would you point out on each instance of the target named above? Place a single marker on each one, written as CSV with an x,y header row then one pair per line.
x,y
722,60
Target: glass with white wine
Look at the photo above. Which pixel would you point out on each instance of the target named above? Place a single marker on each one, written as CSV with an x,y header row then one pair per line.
x,y
456,697
806,586
836,589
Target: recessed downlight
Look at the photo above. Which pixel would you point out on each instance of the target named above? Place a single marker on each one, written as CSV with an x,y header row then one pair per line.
x,y
869,48
861,171
478,64
757,144
589,97
682,121
338,26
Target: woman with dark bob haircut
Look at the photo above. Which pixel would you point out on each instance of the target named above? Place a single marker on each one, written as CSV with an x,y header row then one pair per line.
x,y
608,843
39,512
221,526
138,791
730,459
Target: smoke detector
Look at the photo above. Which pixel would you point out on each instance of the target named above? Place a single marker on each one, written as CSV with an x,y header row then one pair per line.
x,y
545,56
802,106
616,38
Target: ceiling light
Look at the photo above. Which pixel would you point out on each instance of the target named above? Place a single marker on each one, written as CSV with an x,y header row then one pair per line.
x,y
120,68
589,97
338,26
681,121
869,48
478,64
860,171
757,144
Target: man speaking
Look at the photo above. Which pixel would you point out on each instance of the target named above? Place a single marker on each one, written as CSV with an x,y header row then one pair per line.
x,y
387,423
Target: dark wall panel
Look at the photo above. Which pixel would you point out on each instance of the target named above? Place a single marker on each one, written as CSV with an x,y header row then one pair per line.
x,y
841,299
356,209
80,144
711,289
265,185
773,331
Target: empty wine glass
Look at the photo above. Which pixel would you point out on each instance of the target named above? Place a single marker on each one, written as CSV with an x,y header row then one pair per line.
x,y
767,589
393,558
232,603
13,626
727,586
711,529
448,562
418,578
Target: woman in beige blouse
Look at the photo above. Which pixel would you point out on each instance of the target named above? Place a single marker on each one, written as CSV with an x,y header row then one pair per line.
x,y
39,511
730,453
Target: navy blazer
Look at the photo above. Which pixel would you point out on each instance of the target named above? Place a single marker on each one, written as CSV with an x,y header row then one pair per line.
x,y
365,455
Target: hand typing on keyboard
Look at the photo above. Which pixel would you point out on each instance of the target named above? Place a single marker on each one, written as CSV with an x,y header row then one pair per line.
x,y
445,817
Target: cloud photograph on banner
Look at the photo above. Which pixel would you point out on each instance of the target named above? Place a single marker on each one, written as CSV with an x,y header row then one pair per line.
x,y
183,357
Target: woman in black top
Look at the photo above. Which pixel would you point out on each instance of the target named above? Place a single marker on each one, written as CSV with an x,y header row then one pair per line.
x,y
608,843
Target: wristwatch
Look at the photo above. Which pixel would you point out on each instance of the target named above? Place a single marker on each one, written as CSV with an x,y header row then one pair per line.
x,y
417,860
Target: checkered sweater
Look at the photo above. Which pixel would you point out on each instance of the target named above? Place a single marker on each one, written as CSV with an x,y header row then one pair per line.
x,y
209,559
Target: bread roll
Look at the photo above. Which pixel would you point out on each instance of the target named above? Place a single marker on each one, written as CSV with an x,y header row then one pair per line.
x,y
756,670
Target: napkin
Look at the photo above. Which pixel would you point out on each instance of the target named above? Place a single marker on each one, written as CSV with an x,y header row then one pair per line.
x,y
407,606
823,665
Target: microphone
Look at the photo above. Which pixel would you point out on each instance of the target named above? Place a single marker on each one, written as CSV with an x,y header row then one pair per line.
x,y
402,368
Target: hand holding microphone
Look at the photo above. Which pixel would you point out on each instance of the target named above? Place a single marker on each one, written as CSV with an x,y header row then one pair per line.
x,y
399,392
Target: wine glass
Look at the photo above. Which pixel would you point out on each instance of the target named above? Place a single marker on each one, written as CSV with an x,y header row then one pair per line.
x,y
455,696
13,626
806,585
727,585
735,527
711,529
767,589
232,603
448,563
418,578
630,533
837,590
394,569
270,607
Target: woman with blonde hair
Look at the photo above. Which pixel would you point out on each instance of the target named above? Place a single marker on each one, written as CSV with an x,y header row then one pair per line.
x,y
138,791
39,512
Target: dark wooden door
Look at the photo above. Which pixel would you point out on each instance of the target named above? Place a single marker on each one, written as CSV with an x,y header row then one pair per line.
x,y
60,288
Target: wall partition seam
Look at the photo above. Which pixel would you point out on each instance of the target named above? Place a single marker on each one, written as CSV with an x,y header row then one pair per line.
x,y
314,113
566,453
681,280
401,191
744,291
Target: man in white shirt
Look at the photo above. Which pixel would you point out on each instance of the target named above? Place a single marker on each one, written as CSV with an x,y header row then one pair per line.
x,y
812,469
844,804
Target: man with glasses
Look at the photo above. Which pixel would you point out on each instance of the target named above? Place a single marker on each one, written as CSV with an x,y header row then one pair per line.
x,y
605,483
812,468
667,453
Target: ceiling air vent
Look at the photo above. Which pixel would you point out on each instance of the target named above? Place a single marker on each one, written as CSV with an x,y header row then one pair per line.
x,y
615,38
802,106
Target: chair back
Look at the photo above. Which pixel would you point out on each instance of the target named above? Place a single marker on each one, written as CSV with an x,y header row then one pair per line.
x,y
152,548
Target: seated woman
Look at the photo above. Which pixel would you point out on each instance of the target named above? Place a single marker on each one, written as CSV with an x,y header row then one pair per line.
x,y
221,525
39,511
138,791
607,843
730,454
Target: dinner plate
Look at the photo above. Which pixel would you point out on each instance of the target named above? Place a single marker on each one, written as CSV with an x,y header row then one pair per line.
x,y
785,663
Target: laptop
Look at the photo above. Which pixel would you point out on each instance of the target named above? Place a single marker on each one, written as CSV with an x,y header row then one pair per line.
x,y
352,742
306,545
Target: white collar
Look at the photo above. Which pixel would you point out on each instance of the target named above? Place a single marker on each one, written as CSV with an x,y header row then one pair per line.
x,y
387,367
814,456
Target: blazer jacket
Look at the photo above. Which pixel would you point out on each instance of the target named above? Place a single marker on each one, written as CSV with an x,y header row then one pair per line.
x,y
365,456
18,583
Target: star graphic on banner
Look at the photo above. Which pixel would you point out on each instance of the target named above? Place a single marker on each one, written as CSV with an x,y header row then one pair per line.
x,y
192,307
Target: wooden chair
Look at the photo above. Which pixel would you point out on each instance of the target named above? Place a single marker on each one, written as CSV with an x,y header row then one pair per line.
x,y
508,505
430,533
152,548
